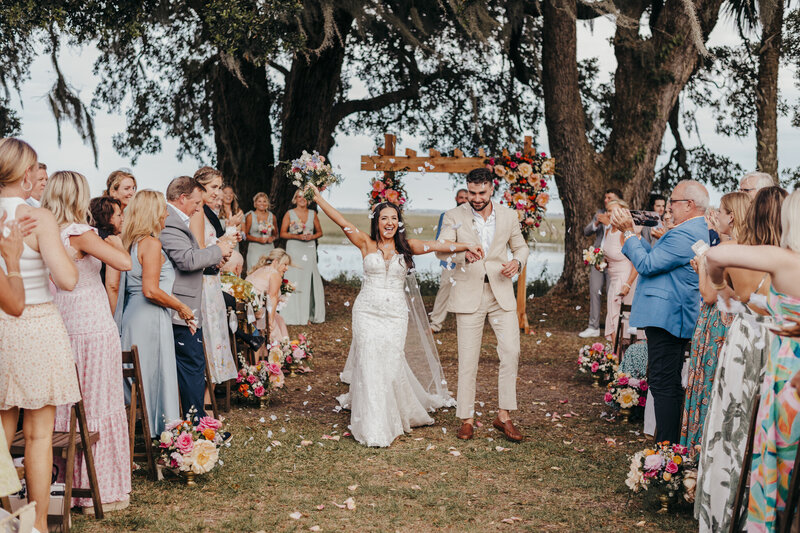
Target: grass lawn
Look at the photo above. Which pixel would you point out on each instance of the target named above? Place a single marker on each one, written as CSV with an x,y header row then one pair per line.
x,y
566,476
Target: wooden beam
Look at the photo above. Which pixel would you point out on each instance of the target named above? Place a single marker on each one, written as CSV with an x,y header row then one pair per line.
x,y
458,153
460,165
528,148
482,153
410,152
434,153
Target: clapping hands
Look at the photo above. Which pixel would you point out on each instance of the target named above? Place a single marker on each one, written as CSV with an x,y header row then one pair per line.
x,y
621,219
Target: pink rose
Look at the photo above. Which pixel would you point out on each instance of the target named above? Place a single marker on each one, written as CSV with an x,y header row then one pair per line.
x,y
259,391
642,401
172,425
288,358
580,359
273,369
491,161
184,443
671,467
298,353
239,378
643,385
680,449
598,347
623,380
251,379
653,462
511,164
209,422
301,338
608,397
595,366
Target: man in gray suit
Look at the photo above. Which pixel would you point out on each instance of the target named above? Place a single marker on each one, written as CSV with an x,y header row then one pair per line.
x,y
184,199
598,280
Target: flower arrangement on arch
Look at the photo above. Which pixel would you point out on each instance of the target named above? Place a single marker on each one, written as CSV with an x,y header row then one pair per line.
x,y
597,359
666,466
526,178
191,448
626,392
312,168
388,188
595,257
254,382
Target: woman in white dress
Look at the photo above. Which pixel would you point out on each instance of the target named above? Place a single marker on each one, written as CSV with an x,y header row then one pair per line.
x,y
387,397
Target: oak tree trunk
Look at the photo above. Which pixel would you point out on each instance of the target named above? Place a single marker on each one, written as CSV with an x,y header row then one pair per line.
x,y
767,90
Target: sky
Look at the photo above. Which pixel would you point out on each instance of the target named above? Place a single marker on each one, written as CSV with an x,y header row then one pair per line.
x,y
429,191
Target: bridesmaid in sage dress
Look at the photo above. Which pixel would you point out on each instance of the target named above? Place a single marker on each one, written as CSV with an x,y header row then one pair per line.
x,y
301,228
144,309
260,230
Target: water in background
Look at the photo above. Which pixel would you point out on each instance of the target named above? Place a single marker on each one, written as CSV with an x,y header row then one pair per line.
x,y
337,258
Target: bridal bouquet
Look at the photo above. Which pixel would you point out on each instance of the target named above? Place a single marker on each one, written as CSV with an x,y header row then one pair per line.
x,y
666,466
260,380
626,392
312,168
595,257
287,288
191,448
598,360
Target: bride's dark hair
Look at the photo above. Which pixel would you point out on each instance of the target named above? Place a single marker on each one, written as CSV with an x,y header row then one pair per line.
x,y
400,240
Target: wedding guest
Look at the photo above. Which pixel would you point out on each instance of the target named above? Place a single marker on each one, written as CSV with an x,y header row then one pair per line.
x,y
106,217
35,199
266,277
752,182
777,430
12,291
598,279
439,312
122,186
711,328
301,228
621,275
657,204
667,301
739,372
241,289
37,370
184,199
95,342
207,230
260,230
143,312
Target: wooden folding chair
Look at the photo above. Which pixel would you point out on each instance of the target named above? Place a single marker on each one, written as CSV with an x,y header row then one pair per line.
x,y
210,387
66,444
20,521
738,502
137,411
619,337
5,501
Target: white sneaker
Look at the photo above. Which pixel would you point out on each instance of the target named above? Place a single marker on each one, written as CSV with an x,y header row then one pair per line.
x,y
589,332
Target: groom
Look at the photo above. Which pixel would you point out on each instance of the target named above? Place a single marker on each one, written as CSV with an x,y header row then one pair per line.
x,y
482,288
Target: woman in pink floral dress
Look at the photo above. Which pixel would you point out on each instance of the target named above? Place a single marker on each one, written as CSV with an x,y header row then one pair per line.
x,y
95,341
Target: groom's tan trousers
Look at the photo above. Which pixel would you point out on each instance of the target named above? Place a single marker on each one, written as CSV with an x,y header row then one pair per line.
x,y
470,335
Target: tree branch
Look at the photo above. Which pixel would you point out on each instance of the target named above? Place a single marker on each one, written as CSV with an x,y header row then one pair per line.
x,y
280,68
342,109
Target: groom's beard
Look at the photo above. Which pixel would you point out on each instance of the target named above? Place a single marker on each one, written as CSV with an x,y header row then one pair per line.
x,y
478,206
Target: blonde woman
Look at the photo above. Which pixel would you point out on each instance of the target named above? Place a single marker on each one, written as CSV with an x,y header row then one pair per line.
x,y
620,272
95,340
144,307
122,186
260,230
301,229
37,371
207,230
267,276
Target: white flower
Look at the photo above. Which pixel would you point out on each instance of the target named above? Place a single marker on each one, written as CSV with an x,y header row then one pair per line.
x,y
203,457
166,437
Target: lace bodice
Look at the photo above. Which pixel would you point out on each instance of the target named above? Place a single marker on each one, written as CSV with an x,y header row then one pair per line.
x,y
35,275
384,274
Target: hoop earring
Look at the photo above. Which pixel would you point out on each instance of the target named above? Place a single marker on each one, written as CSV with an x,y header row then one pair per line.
x,y
29,189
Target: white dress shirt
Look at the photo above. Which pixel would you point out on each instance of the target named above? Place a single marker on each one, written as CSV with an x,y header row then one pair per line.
x,y
485,228
183,216
33,202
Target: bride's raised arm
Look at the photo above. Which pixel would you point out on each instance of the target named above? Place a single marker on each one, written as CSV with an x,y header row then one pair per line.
x,y
423,247
357,237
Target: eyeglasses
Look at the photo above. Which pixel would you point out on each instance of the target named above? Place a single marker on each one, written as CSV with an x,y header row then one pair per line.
x,y
671,201
742,189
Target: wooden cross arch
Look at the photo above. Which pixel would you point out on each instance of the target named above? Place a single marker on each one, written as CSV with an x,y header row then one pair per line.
x,y
387,161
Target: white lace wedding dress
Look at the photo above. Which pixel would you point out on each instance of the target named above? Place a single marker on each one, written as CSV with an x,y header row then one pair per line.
x,y
387,395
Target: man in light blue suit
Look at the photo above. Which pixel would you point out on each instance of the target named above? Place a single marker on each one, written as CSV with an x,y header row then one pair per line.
x,y
667,299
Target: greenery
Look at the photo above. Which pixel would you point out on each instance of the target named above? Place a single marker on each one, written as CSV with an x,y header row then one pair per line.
x,y
568,475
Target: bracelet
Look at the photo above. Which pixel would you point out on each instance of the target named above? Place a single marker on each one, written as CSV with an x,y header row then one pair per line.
x,y
719,286
14,275
627,285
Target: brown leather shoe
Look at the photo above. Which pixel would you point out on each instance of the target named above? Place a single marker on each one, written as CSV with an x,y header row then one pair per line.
x,y
465,431
507,429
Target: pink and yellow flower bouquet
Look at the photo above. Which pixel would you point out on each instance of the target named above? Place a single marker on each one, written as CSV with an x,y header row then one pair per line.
x,y
598,360
191,448
626,392
258,381
666,466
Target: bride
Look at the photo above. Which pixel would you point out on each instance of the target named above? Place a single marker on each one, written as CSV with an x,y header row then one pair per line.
x,y
388,396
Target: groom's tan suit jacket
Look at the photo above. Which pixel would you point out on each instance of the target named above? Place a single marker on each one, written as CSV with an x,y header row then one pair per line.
x,y
458,226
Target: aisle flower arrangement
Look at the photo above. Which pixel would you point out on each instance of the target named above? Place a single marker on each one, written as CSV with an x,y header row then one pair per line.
x,y
626,394
258,381
388,187
525,177
312,168
598,360
192,449
595,257
297,354
666,467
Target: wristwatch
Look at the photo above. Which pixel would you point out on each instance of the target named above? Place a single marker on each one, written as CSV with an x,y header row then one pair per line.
x,y
628,234
519,264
